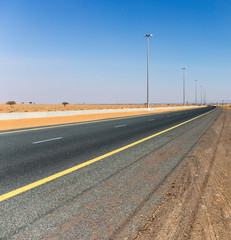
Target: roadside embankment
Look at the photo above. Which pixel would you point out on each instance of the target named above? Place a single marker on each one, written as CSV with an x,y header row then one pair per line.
x,y
10,121
45,114
198,204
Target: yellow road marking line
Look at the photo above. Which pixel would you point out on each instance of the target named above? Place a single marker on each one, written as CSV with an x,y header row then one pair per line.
x,y
72,169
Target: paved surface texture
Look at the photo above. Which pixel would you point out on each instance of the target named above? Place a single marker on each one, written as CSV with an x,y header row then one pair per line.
x,y
197,206
110,199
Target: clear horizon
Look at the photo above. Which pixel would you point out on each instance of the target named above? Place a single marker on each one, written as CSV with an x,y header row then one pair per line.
x,y
94,52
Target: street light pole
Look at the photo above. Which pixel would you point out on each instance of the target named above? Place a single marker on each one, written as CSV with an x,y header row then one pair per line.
x,y
201,94
195,92
183,85
147,36
204,93
205,97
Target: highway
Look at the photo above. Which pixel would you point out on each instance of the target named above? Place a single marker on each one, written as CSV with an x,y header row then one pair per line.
x,y
111,177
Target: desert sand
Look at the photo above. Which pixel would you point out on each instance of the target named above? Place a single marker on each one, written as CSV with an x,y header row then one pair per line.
x,y
38,122
19,107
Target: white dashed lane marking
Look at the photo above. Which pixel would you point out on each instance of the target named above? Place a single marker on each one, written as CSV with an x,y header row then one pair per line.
x,y
123,125
47,140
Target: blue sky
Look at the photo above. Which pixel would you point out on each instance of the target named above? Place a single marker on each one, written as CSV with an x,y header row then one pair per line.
x,y
95,52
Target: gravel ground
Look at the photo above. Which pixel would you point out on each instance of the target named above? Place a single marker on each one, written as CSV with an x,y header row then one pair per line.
x,y
198,203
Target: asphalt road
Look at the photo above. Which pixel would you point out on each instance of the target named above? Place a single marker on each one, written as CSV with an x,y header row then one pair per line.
x,y
91,202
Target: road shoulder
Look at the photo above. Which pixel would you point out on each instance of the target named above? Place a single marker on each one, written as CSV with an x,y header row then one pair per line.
x,y
197,206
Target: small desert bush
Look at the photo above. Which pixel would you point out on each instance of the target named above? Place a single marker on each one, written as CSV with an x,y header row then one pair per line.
x,y
65,103
11,103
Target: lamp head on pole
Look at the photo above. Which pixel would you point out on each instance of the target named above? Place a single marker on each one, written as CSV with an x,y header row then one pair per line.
x,y
147,35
